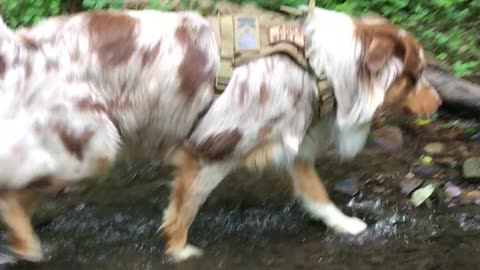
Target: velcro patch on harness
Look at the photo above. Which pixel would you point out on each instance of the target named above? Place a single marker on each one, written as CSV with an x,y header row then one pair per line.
x,y
247,33
288,33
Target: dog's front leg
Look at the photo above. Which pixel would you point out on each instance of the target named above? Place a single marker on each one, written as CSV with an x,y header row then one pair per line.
x,y
192,185
16,209
314,197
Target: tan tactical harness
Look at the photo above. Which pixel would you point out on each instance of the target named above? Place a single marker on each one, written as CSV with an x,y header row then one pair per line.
x,y
243,38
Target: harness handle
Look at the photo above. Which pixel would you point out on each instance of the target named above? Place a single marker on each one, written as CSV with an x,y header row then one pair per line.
x,y
311,7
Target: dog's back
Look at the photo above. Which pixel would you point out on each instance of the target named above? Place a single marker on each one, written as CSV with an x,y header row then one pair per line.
x,y
153,70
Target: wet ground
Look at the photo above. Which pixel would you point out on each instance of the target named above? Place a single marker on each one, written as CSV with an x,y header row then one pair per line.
x,y
251,222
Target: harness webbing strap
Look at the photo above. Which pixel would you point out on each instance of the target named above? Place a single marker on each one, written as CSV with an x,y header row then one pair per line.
x,y
227,52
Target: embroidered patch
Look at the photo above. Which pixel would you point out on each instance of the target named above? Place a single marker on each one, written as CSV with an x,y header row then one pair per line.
x,y
247,35
285,32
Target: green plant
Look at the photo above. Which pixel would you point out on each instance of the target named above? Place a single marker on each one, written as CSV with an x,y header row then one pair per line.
x,y
28,12
447,28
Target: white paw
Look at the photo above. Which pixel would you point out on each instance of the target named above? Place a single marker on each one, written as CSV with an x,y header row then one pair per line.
x,y
349,225
33,254
188,252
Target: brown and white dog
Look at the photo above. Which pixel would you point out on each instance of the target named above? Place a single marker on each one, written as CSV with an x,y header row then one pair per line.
x,y
143,81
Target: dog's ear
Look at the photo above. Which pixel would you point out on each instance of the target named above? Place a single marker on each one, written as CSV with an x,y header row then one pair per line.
x,y
378,53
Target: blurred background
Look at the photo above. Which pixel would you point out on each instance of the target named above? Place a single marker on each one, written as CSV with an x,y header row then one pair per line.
x,y
449,29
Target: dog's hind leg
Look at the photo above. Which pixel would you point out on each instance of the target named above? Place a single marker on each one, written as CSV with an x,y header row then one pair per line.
x,y
191,187
314,197
16,209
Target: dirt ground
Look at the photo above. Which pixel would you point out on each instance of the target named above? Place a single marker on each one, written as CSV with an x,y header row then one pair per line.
x,y
251,221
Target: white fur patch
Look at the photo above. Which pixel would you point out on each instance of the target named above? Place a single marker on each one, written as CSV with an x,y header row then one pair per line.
x,y
334,217
187,253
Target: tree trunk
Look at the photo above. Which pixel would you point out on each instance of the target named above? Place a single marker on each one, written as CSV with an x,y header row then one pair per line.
x,y
458,95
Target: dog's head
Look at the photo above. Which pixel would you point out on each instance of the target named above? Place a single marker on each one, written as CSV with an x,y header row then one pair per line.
x,y
48,135
392,62
374,66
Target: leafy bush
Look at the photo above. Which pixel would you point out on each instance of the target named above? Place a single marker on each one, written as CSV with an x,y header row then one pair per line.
x,y
447,28
28,12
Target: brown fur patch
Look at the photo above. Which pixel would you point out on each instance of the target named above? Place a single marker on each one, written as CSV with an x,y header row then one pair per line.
x,y
219,145
242,92
17,219
260,157
103,166
296,97
192,72
40,183
88,104
309,184
75,143
28,43
382,40
112,37
263,93
149,55
179,216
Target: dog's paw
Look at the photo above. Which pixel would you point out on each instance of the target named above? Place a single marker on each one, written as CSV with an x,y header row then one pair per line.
x,y
348,225
186,253
33,252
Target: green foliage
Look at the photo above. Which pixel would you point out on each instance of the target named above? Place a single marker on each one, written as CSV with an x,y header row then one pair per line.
x,y
447,28
28,12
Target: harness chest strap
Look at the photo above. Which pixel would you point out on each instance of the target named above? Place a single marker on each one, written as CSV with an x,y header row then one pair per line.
x,y
243,38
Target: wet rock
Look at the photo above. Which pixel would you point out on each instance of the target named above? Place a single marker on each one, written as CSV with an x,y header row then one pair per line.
x,y
408,185
448,162
452,191
471,169
388,138
434,149
379,190
463,150
425,171
475,137
471,196
348,186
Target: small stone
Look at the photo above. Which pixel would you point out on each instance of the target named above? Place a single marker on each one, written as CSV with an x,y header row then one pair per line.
x,y
379,190
409,175
388,138
463,150
448,162
424,171
408,185
348,186
434,149
471,168
471,196
475,137
452,191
